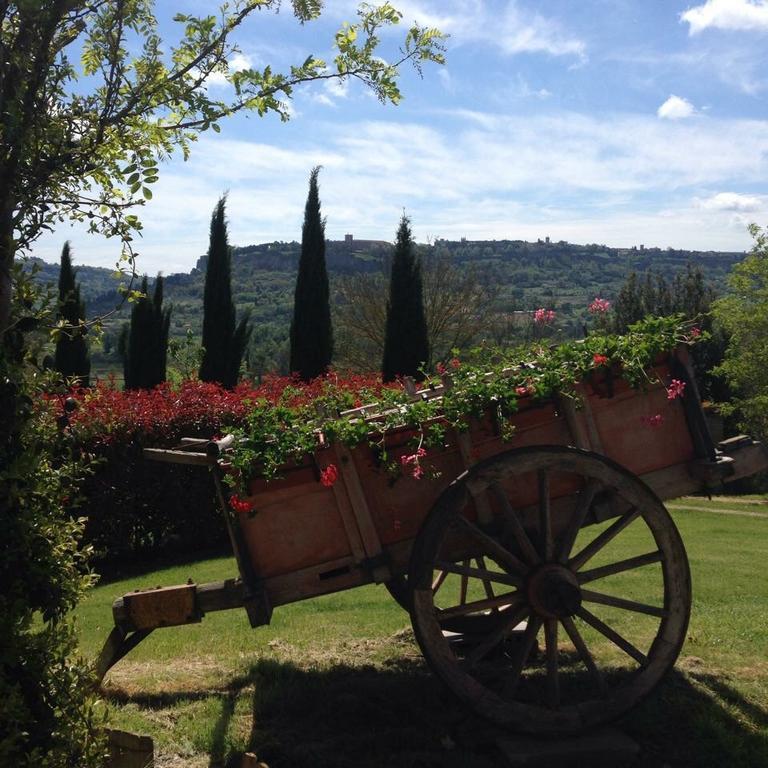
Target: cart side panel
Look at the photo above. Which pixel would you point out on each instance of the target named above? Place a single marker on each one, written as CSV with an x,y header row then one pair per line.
x,y
535,423
295,525
643,431
399,504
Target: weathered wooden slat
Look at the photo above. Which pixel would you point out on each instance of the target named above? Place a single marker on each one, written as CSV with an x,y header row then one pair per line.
x,y
482,505
320,579
349,521
365,524
575,420
508,598
176,456
511,617
595,443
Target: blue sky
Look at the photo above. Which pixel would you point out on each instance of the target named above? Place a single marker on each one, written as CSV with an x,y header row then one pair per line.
x,y
608,121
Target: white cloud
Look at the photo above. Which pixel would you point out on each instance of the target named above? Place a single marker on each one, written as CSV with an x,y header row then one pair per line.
x,y
618,179
332,91
521,89
509,29
675,108
731,201
736,15
237,63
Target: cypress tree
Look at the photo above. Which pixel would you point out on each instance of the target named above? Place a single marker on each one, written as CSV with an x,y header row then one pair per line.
x,y
161,322
224,342
71,359
145,344
311,330
406,346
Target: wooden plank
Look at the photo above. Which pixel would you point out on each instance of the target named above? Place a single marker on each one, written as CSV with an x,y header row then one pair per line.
x,y
348,520
256,603
482,505
575,420
161,607
595,443
173,456
368,533
321,579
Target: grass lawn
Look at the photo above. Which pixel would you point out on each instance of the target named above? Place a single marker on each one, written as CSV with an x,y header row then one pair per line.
x,y
337,680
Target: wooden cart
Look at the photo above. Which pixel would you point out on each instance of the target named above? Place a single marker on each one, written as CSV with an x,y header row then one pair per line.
x,y
559,531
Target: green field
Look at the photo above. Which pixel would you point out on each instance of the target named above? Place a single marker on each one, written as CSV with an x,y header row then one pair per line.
x,y
337,681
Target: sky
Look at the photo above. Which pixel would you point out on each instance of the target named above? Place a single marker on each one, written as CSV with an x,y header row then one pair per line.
x,y
600,121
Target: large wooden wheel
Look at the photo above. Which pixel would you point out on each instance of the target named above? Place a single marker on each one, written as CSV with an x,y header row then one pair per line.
x,y
575,549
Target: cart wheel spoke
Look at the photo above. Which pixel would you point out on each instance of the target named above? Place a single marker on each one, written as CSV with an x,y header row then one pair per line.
x,y
483,574
581,648
545,516
620,602
487,585
464,585
521,656
512,522
604,538
509,619
500,554
553,678
619,567
583,506
476,606
612,635
439,580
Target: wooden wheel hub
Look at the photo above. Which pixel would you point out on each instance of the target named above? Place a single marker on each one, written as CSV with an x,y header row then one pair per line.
x,y
553,591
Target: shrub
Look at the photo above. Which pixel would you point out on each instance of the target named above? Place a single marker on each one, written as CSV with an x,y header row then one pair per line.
x,y
137,508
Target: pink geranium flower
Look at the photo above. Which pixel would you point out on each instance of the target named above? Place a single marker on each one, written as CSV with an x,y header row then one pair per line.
x,y
598,306
675,389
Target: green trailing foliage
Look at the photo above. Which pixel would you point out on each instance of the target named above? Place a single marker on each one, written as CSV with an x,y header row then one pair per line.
x,y
49,713
311,334
72,358
406,343
224,339
144,344
275,435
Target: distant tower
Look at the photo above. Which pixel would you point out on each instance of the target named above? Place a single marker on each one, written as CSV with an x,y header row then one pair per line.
x,y
348,239
546,239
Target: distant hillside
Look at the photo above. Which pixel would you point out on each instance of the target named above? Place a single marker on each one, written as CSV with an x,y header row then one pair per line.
x,y
561,275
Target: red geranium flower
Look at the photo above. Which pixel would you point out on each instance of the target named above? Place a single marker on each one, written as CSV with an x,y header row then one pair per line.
x,y
329,475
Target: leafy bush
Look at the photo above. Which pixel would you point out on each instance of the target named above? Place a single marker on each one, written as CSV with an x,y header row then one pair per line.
x,y
48,706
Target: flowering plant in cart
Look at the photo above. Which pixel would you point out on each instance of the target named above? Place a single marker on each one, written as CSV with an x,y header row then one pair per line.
x,y
276,435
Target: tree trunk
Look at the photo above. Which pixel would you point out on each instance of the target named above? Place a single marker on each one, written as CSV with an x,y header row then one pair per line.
x,y
7,252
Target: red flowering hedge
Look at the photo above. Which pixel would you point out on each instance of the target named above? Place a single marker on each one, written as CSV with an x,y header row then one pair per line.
x,y
138,508
108,416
